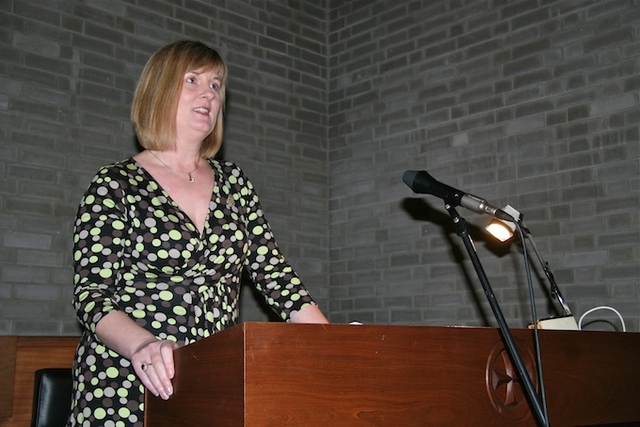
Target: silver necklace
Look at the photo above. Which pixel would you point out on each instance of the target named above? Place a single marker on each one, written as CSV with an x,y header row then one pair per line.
x,y
191,178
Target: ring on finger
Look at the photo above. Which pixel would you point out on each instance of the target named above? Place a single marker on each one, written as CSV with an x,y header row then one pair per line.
x,y
145,366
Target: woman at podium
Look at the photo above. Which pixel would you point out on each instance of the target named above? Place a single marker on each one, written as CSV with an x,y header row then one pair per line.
x,y
161,240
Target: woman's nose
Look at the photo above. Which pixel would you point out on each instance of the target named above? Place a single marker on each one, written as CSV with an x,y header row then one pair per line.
x,y
209,92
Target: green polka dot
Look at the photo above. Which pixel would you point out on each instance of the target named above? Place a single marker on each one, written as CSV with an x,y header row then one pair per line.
x,y
100,413
112,372
165,296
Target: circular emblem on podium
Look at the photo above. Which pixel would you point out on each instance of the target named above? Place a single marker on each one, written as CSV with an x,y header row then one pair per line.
x,y
503,382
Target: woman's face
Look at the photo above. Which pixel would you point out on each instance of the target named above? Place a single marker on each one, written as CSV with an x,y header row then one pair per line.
x,y
199,105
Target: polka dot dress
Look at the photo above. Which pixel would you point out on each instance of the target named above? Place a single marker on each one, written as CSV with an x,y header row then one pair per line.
x,y
136,251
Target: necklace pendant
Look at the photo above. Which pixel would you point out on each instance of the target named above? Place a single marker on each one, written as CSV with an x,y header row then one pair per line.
x,y
191,179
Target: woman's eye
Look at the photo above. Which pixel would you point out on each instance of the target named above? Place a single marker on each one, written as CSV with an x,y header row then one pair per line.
x,y
214,86
190,79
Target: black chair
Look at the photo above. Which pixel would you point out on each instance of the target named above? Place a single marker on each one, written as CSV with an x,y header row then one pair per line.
x,y
51,397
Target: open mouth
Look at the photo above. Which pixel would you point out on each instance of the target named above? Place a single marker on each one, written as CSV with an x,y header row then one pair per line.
x,y
201,110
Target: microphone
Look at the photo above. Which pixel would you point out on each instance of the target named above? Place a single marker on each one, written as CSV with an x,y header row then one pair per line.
x,y
423,183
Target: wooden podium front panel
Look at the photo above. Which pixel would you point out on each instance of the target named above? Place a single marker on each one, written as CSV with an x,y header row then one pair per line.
x,y
208,385
266,375
347,376
591,378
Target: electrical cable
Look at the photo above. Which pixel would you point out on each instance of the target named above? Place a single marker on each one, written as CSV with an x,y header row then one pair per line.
x,y
603,307
534,314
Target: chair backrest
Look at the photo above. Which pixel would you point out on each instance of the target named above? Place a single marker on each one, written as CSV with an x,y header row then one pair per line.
x,y
51,397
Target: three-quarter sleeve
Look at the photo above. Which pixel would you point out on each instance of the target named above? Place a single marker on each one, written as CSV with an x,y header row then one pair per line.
x,y
100,226
269,270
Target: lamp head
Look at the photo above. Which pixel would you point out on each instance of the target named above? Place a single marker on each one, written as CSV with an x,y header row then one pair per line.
x,y
504,230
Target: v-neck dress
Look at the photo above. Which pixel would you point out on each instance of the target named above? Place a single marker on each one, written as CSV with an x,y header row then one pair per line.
x,y
136,251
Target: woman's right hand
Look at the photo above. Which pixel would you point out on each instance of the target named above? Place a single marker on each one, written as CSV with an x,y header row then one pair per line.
x,y
153,363
152,359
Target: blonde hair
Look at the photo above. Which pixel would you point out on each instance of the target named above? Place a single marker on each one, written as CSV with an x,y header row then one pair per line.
x,y
155,101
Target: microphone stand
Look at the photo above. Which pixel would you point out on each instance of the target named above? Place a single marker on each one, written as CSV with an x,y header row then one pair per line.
x,y
462,230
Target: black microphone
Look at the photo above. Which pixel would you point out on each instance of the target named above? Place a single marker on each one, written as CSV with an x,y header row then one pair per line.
x,y
423,183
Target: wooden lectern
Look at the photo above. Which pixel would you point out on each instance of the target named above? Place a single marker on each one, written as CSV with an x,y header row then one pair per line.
x,y
277,374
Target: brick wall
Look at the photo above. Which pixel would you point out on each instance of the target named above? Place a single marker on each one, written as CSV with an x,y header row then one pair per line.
x,y
531,103
527,103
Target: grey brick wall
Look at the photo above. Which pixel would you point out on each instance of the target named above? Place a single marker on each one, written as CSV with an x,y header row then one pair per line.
x,y
531,103
528,103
